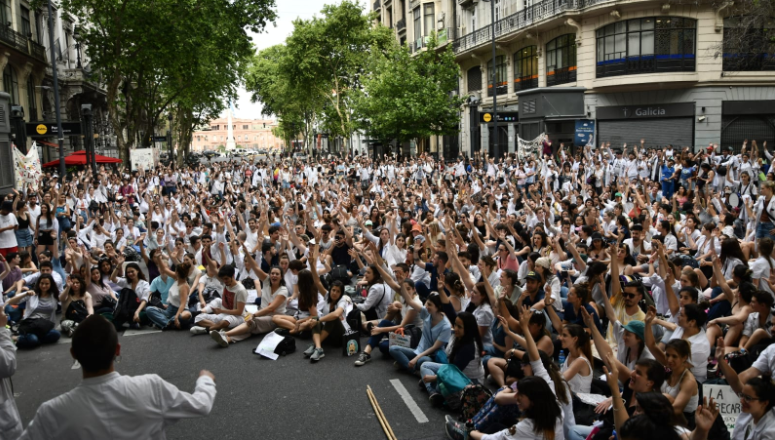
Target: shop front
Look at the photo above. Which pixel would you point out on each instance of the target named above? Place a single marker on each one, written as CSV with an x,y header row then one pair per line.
x,y
659,124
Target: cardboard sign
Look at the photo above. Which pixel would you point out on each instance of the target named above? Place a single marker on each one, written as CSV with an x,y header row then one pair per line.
x,y
728,403
399,340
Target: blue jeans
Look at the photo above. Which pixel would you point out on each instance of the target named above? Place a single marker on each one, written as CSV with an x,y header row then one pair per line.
x,y
490,352
32,341
721,308
579,432
430,368
667,189
374,340
162,317
764,229
403,355
57,266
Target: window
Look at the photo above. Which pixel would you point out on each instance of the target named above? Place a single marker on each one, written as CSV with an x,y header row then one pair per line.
x,y
244,127
31,102
526,68
644,45
474,78
500,76
417,23
215,127
11,84
26,27
561,60
748,44
429,18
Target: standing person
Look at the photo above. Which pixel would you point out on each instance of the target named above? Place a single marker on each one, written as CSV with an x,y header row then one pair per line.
x,y
109,405
23,234
11,423
8,227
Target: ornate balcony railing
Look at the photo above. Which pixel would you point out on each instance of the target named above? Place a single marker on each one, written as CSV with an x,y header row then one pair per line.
x,y
21,43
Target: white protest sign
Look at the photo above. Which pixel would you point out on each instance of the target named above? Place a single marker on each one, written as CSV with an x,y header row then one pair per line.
x,y
727,401
142,157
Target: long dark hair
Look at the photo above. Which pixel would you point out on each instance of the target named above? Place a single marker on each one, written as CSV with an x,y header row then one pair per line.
x,y
76,277
52,291
764,389
470,334
308,297
135,266
583,343
99,282
731,248
544,409
657,421
554,373
377,276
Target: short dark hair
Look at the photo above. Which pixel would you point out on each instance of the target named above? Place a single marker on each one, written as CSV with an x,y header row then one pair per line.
x,y
45,264
296,265
226,270
94,343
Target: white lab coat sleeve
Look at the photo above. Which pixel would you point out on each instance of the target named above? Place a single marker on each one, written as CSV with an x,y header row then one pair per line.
x,y
176,404
10,422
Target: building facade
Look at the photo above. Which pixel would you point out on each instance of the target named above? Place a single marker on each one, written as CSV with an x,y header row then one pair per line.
x,y
25,63
626,69
252,134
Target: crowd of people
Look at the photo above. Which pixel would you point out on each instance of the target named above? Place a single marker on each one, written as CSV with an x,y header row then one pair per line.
x,y
638,274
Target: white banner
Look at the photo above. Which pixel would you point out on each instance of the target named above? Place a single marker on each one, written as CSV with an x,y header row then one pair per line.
x,y
27,168
530,148
143,157
728,403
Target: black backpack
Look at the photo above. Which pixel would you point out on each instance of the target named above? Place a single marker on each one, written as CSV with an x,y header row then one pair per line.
x,y
286,346
127,305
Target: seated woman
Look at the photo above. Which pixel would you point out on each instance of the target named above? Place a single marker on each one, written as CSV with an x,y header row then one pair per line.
x,y
680,386
39,319
134,280
577,368
463,351
176,315
436,332
386,326
757,326
75,295
103,297
306,314
579,296
537,330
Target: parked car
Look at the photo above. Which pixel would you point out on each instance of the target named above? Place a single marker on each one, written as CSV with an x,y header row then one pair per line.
x,y
299,156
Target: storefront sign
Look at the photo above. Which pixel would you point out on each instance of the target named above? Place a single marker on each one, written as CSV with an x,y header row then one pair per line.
x,y
585,130
686,109
505,117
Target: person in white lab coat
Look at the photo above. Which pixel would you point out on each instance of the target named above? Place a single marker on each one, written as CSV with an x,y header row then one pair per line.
x,y
10,422
107,405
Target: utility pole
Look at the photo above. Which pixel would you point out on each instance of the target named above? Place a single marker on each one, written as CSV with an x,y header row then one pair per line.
x,y
169,139
495,151
60,134
87,121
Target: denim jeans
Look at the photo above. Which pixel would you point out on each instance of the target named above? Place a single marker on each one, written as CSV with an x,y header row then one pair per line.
x,y
579,432
490,352
162,317
403,355
57,266
721,308
32,341
764,229
430,368
374,340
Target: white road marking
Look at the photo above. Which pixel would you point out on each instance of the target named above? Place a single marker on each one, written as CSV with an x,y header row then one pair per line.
x,y
140,332
413,408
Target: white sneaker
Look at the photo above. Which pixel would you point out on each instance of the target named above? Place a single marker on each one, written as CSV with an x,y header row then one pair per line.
x,y
197,330
220,338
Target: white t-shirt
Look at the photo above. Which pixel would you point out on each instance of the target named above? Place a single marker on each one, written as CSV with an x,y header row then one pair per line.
x,y
761,271
700,351
142,290
8,238
267,297
765,363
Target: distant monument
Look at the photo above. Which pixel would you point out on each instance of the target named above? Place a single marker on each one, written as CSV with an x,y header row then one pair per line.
x,y
230,144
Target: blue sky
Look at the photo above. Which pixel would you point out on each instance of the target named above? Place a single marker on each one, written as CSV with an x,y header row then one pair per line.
x,y
287,11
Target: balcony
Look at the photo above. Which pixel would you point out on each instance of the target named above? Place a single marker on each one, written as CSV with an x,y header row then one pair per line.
x,y
401,25
748,62
23,44
646,64
526,83
501,89
561,76
541,11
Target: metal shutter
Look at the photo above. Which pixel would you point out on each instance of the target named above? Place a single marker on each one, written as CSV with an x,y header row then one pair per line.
x,y
736,129
678,132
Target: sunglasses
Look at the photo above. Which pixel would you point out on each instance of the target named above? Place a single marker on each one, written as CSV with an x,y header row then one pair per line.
x,y
629,295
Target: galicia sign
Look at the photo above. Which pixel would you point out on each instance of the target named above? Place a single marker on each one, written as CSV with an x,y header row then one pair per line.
x,y
646,111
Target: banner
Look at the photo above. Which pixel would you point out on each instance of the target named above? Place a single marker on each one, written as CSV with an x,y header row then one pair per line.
x,y
27,168
530,148
728,403
143,157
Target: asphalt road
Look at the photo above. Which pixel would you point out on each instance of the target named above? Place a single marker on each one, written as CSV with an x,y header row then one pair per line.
x,y
289,398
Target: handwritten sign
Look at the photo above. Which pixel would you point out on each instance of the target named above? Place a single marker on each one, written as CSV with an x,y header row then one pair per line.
x,y
728,403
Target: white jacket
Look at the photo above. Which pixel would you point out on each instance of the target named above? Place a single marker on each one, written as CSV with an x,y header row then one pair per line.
x,y
10,422
119,407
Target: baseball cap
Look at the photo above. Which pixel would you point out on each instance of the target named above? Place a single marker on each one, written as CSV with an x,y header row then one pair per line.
x,y
533,276
618,194
638,328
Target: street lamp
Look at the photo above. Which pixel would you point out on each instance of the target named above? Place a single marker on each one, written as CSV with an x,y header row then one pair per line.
x,y
77,39
60,135
494,88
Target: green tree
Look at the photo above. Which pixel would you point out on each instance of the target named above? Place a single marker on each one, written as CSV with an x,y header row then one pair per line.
x,y
411,97
162,56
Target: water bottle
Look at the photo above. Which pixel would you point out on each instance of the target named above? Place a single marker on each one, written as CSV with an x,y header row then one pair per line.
x,y
613,435
562,357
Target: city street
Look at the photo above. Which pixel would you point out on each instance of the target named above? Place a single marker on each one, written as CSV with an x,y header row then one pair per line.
x,y
257,398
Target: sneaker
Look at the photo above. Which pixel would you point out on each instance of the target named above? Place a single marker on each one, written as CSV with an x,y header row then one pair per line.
x,y
363,358
134,326
456,430
436,399
197,330
317,355
308,352
220,338
449,419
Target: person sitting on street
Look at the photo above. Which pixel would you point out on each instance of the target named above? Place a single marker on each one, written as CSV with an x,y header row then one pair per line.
x,y
225,312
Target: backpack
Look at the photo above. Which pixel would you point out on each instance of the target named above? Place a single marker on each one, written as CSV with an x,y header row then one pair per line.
x,y
128,302
76,311
451,382
472,399
286,346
